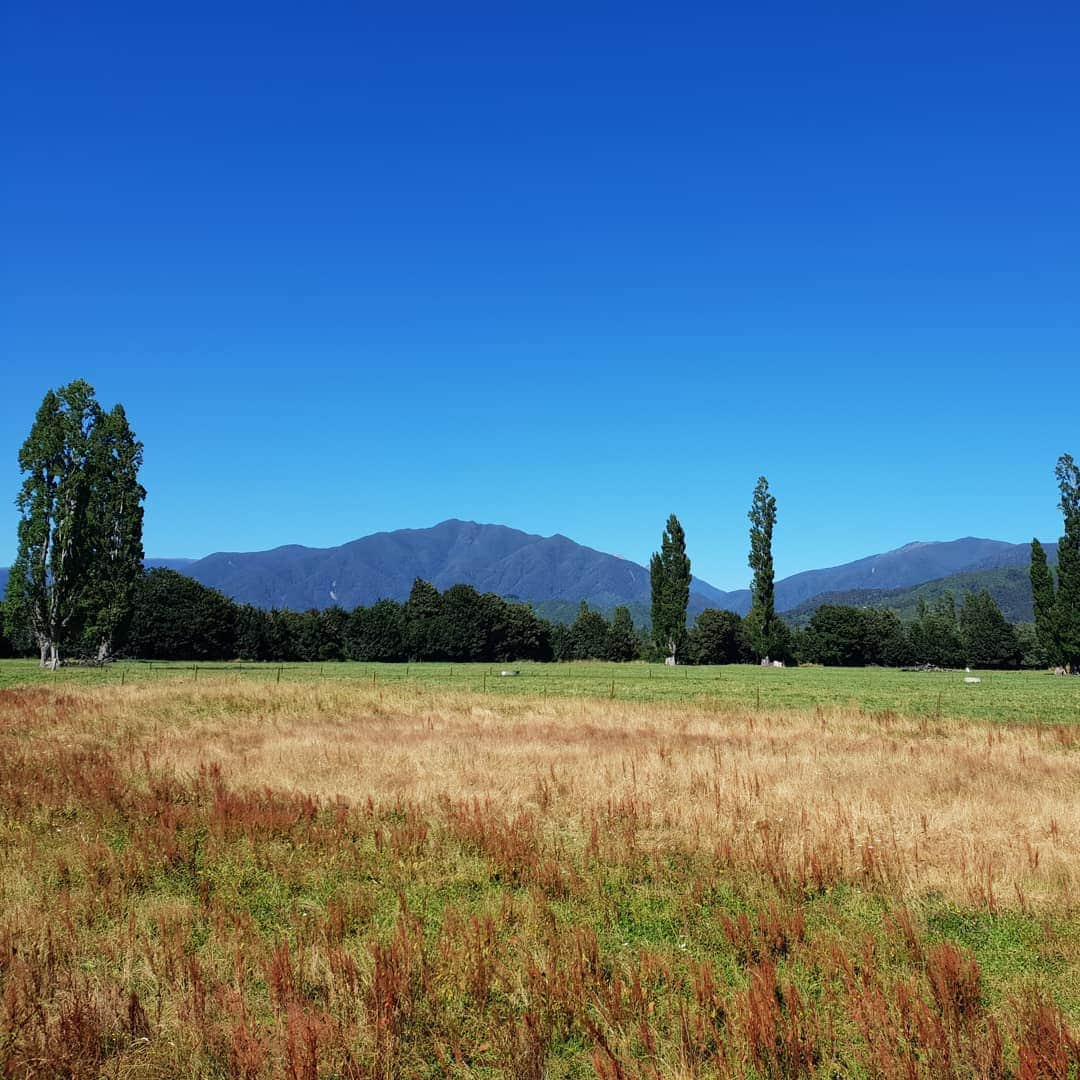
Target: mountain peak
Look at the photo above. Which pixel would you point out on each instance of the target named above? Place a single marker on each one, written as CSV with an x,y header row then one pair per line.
x,y
500,559
490,557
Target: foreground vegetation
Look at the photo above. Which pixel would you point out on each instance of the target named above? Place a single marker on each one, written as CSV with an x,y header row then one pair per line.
x,y
326,877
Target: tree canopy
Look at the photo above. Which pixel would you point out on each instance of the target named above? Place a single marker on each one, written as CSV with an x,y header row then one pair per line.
x,y
669,578
1067,600
79,558
766,633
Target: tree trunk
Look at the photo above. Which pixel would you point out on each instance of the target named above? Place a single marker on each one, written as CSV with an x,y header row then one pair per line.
x,y
104,649
54,656
43,645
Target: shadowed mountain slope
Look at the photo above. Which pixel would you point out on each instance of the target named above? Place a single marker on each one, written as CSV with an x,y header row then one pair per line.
x,y
556,573
1010,586
909,565
492,558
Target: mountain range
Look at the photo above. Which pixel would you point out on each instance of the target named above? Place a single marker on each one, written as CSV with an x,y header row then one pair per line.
x,y
492,558
1010,587
555,573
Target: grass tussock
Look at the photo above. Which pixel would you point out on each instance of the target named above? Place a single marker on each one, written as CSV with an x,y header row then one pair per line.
x,y
329,880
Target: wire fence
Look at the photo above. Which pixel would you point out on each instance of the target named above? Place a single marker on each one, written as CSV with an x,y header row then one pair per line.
x,y
999,696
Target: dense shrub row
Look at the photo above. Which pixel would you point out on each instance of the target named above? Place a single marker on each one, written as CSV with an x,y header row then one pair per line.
x,y
975,635
177,618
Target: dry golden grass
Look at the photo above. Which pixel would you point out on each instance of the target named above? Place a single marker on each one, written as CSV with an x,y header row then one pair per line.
x,y
330,880
979,813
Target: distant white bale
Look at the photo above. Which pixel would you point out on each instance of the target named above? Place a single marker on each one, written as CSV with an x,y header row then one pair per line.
x,y
972,679
778,663
505,673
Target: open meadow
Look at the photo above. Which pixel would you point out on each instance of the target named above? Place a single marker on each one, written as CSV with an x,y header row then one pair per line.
x,y
1010,696
609,871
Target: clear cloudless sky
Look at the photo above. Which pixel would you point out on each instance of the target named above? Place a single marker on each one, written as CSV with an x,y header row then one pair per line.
x,y
566,267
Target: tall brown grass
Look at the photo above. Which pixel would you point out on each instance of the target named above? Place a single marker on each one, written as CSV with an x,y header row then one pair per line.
x,y
315,881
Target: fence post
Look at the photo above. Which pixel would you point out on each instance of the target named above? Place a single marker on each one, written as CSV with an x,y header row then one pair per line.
x,y
278,679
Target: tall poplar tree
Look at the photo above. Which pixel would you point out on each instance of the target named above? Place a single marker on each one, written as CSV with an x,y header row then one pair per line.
x,y
669,577
1067,600
762,623
80,530
115,519
1042,592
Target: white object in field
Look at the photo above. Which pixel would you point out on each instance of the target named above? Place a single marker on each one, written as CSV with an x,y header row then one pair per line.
x,y
778,663
972,679
505,673
669,660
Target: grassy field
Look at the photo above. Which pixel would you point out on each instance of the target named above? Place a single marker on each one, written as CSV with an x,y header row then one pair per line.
x,y
429,873
1008,696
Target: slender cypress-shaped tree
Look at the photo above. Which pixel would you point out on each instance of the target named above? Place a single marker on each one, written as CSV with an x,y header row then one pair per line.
x,y
1067,600
762,623
52,572
115,519
79,557
1042,592
669,577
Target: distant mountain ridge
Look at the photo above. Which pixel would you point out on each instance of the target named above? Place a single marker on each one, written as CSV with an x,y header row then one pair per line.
x,y
552,572
903,567
491,558
1010,586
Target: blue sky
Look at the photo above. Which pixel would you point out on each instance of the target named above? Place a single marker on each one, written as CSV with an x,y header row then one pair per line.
x,y
566,267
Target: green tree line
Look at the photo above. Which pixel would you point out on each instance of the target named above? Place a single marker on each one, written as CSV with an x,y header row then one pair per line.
x,y
78,588
177,618
973,634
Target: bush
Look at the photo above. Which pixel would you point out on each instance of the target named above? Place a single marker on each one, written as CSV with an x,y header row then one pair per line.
x,y
842,636
717,638
177,618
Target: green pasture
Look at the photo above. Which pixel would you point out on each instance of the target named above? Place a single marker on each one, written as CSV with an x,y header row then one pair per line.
x,y
1004,696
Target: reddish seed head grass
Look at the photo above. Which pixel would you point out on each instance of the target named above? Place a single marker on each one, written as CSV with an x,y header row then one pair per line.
x,y
981,815
223,880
